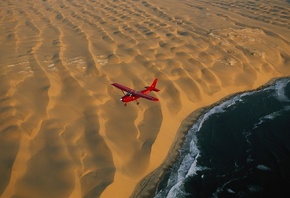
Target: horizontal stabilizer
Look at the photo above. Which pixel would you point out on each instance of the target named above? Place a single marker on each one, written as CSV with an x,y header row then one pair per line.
x,y
152,88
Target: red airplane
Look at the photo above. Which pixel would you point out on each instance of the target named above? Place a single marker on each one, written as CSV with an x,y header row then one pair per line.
x,y
132,95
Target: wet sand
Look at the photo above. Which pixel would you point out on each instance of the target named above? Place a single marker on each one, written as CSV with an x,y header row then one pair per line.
x,y
64,132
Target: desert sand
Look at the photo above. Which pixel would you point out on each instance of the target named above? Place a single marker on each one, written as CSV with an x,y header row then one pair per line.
x,y
63,130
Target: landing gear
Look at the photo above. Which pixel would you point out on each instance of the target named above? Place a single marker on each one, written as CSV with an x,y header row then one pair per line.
x,y
138,103
125,104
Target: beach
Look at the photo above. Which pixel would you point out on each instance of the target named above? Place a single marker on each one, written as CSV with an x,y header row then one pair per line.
x,y
64,131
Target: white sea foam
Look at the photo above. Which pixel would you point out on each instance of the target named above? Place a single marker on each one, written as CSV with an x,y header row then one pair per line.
x,y
255,188
263,167
271,116
280,86
177,190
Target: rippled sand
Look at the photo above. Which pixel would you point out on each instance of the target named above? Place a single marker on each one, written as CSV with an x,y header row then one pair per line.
x,y
63,130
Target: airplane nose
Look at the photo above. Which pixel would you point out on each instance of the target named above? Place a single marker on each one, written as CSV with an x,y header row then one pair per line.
x,y
121,99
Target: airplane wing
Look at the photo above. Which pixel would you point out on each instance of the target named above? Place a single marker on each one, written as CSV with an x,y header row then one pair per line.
x,y
145,96
124,88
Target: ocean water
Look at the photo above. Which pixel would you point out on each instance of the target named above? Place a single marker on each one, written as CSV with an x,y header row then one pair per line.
x,y
239,148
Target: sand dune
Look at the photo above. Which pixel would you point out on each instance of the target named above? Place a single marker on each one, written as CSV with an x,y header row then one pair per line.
x,y
64,132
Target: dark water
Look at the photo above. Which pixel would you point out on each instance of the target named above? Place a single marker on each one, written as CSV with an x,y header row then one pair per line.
x,y
239,148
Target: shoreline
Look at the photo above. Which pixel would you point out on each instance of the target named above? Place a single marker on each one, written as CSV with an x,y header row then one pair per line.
x,y
148,185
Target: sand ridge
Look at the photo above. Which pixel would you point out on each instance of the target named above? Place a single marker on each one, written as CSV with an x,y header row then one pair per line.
x,y
64,132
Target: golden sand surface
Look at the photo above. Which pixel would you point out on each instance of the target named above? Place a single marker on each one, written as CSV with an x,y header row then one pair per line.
x,y
63,130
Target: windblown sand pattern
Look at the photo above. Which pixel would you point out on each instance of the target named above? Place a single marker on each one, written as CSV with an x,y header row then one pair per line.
x,y
63,130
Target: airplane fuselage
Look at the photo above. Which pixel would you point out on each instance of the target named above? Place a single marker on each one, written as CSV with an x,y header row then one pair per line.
x,y
131,97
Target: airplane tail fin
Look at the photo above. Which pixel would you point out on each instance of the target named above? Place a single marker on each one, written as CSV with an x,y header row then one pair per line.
x,y
152,87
